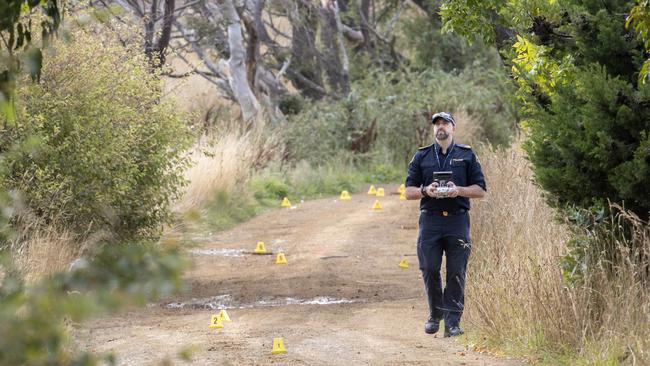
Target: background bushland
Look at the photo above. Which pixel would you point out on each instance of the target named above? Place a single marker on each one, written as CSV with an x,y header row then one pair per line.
x,y
96,147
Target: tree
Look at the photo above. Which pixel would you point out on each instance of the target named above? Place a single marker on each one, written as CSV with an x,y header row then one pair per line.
x,y
313,54
639,18
586,116
17,49
99,149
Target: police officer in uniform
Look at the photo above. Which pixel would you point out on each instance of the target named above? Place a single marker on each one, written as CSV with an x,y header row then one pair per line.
x,y
444,220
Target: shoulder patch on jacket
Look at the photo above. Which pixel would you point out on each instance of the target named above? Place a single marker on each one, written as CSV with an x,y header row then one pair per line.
x,y
463,146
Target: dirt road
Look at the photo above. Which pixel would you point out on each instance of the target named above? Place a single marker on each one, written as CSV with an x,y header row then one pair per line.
x,y
340,300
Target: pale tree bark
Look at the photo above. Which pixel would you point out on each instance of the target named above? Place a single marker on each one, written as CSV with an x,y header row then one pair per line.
x,y
343,53
238,79
334,54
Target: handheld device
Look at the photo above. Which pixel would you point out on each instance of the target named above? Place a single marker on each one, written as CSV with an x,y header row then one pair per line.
x,y
442,178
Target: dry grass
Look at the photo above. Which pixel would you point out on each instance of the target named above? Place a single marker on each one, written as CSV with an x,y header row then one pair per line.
x,y
517,294
468,129
41,248
225,162
45,252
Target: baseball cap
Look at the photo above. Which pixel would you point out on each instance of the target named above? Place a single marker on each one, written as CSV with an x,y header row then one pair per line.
x,y
444,115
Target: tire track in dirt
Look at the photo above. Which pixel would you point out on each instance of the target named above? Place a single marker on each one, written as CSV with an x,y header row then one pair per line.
x,y
338,250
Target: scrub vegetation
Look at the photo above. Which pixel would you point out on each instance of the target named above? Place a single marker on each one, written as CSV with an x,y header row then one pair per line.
x,y
102,172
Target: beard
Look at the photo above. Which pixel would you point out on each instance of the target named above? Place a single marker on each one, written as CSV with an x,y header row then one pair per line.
x,y
442,135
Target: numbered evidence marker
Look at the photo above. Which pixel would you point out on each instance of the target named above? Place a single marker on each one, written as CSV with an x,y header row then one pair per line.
x,y
380,192
372,191
260,248
345,196
402,196
376,205
285,202
216,321
401,189
223,315
404,263
281,259
278,346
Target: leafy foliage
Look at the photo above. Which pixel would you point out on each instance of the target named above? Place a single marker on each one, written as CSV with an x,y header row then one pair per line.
x,y
16,19
576,68
639,18
386,116
451,53
33,317
97,147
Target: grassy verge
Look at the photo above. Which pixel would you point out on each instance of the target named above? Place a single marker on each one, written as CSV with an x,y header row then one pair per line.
x,y
267,189
518,299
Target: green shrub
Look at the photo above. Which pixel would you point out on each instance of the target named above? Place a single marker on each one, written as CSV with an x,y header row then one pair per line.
x,y
33,317
330,178
269,187
592,142
386,116
383,173
107,151
451,52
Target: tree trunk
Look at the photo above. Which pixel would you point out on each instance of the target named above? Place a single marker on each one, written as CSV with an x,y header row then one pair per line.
x,y
306,72
165,34
149,30
334,55
237,62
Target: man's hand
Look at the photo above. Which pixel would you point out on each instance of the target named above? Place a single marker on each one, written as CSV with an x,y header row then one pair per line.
x,y
431,190
454,190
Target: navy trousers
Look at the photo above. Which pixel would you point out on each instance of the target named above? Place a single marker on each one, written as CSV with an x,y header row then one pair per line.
x,y
448,235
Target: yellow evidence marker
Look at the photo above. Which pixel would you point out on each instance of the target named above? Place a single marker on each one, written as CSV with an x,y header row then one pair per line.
x,y
372,191
402,196
281,259
216,322
380,192
260,248
278,346
404,263
285,202
401,189
377,205
345,196
224,316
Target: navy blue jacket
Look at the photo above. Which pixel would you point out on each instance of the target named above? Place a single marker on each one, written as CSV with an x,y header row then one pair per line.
x,y
460,159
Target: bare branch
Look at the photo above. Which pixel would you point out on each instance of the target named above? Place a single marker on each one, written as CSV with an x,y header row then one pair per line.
x,y
194,71
393,20
127,4
351,34
199,51
276,30
284,68
307,82
210,77
113,14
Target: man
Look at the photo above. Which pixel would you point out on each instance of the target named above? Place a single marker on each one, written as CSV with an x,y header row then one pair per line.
x,y
444,220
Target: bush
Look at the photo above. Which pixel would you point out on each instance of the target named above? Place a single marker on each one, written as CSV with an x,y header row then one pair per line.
x,y
99,146
451,52
34,319
387,116
592,143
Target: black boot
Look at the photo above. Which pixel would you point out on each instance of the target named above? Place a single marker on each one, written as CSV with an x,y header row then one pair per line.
x,y
453,331
432,325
